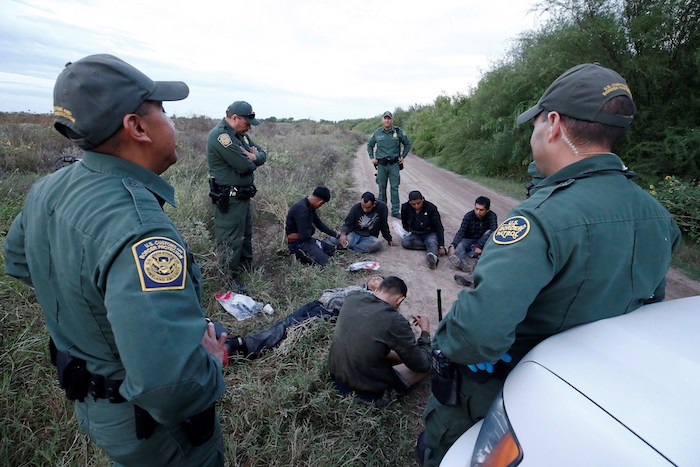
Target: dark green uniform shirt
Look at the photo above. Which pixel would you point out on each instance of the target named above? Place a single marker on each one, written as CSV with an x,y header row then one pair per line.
x,y
116,283
388,143
367,329
227,163
588,244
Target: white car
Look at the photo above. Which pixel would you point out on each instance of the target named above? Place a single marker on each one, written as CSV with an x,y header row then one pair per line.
x,y
622,391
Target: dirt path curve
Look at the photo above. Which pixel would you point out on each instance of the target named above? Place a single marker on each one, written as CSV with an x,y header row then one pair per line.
x,y
454,195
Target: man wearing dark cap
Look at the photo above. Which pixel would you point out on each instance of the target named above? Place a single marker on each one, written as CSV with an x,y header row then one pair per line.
x,y
388,158
421,219
549,266
360,231
301,224
233,158
115,280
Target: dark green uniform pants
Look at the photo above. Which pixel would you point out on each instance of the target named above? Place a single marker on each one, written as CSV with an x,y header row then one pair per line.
x,y
444,424
112,428
233,232
392,174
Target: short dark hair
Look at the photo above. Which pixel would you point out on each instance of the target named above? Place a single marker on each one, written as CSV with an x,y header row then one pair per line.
x,y
368,196
394,286
484,201
322,192
414,195
583,132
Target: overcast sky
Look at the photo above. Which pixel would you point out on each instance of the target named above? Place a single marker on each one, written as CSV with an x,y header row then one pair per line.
x,y
304,59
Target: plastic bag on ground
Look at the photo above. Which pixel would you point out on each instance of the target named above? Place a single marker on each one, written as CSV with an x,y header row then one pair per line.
x,y
241,306
370,265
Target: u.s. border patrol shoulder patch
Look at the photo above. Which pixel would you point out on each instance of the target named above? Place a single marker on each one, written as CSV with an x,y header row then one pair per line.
x,y
512,230
225,140
161,264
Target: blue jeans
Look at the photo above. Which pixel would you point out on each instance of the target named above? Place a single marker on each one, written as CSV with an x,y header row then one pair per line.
x,y
312,251
427,242
272,336
465,248
362,244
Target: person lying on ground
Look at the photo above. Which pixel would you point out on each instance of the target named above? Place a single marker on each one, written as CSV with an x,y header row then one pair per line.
x,y
328,305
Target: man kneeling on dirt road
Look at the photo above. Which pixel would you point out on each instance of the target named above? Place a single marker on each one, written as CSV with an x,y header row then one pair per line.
x,y
374,353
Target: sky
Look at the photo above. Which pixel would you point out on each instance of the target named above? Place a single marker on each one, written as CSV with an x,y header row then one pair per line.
x,y
315,59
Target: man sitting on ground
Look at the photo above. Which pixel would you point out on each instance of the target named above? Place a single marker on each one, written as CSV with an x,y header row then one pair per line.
x,y
360,231
374,353
300,228
422,220
477,226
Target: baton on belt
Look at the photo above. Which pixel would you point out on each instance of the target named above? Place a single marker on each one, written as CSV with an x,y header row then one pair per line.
x,y
439,299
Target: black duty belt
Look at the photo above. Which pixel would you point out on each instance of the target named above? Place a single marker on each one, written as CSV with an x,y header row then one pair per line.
x,y
388,160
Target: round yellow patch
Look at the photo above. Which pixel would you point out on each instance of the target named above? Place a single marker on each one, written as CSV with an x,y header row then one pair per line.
x,y
512,230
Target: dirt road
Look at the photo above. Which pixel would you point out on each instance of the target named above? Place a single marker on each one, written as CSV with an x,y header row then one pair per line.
x,y
454,196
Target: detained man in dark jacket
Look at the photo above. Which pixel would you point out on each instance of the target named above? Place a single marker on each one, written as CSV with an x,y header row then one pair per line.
x,y
422,220
374,353
300,226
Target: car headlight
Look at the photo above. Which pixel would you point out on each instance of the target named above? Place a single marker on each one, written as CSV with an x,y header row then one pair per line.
x,y
496,445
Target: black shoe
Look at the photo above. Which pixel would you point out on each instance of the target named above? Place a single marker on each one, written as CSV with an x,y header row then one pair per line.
x,y
236,346
463,281
396,216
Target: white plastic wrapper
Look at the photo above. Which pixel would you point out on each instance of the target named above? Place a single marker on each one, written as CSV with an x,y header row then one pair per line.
x,y
399,228
370,265
241,306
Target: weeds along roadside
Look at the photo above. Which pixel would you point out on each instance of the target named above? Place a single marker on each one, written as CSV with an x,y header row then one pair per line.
x,y
280,409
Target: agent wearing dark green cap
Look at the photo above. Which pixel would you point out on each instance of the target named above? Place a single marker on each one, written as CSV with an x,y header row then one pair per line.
x,y
117,285
388,159
587,244
233,158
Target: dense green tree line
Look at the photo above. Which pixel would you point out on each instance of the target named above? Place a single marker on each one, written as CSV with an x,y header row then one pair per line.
x,y
654,44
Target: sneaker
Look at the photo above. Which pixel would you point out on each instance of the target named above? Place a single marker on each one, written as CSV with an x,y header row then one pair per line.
x,y
463,266
432,260
396,216
454,260
463,281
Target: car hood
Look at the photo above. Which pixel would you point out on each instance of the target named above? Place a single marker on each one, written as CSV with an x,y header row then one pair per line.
x,y
643,368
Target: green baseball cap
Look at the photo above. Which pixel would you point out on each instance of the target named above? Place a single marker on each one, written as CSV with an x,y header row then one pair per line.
x,y
244,110
92,95
387,114
581,92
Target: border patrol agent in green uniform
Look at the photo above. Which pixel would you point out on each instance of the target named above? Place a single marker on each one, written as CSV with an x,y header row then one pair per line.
x,y
116,283
233,158
388,159
588,244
